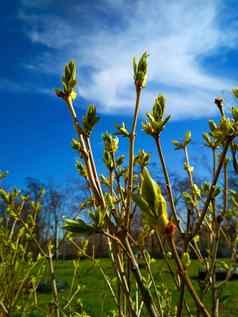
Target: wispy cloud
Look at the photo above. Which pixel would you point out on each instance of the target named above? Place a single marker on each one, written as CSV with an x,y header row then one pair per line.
x,y
104,35
7,85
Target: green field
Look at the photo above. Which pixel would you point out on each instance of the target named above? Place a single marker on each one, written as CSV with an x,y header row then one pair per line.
x,y
95,296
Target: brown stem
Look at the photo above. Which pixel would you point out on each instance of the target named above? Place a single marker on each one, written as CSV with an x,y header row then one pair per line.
x,y
166,260
90,152
213,161
87,158
53,282
146,295
225,191
211,191
168,183
184,276
125,286
181,300
131,156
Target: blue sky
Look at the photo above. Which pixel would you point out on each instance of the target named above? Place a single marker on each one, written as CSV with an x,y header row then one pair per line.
x,y
193,58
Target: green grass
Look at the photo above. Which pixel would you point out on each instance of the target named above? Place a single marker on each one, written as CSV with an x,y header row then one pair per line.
x,y
96,298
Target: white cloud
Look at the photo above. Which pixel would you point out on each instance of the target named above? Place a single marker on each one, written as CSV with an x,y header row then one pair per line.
x,y
104,37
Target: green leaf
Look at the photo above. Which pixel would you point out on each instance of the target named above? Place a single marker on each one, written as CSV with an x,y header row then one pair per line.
x,y
152,201
166,120
212,125
142,204
78,226
206,138
149,188
224,265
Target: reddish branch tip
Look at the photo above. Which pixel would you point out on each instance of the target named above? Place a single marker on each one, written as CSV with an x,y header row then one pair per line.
x,y
170,229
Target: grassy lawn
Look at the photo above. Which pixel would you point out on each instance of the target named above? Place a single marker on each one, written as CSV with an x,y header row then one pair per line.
x,y
96,299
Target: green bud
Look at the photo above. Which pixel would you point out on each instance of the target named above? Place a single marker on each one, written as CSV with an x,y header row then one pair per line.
x,y
187,139
68,81
186,259
142,158
196,238
196,190
107,158
155,123
82,169
159,107
90,119
122,130
110,143
140,71
105,181
147,127
76,145
188,199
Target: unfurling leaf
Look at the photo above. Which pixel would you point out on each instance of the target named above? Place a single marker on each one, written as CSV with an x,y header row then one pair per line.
x,y
79,226
151,202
